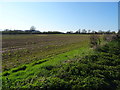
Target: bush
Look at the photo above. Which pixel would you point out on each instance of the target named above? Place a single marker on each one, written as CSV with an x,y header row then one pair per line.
x,y
95,40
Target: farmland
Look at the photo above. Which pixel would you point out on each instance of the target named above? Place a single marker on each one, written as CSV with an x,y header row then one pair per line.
x,y
60,62
19,49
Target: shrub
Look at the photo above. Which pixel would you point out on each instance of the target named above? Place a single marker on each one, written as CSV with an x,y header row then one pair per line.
x,y
94,40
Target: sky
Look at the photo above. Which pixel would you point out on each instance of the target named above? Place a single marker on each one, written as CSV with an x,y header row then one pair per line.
x,y
59,16
59,0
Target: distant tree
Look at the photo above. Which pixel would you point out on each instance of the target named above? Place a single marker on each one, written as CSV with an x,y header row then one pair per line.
x,y
84,31
6,30
78,31
108,32
32,28
93,32
89,31
69,32
113,32
100,32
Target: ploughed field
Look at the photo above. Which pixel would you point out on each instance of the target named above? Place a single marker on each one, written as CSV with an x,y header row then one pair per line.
x,y
60,62
23,49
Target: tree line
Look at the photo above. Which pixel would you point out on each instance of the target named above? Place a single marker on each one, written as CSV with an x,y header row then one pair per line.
x,y
34,31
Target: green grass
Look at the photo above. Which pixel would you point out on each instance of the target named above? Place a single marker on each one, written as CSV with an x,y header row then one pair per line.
x,y
75,67
53,61
44,65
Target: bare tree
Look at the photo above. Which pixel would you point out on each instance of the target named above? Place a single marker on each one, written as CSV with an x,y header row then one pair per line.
x,y
89,31
32,28
84,31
